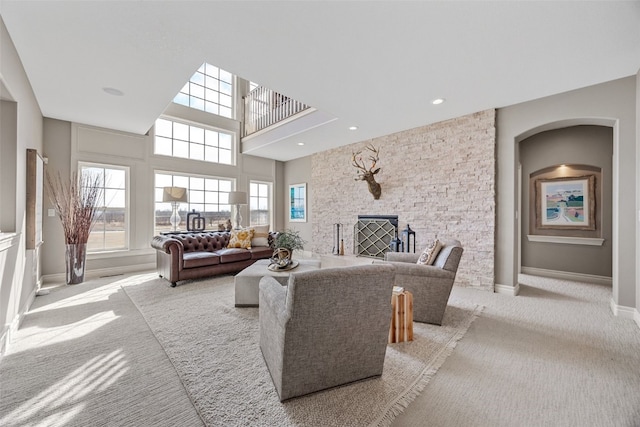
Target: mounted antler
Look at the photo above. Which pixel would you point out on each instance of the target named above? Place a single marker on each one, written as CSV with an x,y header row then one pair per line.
x,y
367,174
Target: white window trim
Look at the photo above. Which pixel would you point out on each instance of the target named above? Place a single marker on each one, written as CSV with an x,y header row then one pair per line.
x,y
127,210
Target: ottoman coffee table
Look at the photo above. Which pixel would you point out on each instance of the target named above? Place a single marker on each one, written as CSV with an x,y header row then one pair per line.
x,y
248,280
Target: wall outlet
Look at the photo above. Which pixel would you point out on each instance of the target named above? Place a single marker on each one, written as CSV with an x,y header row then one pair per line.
x,y
51,212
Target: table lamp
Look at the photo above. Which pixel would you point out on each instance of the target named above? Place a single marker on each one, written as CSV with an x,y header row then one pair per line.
x,y
174,195
238,198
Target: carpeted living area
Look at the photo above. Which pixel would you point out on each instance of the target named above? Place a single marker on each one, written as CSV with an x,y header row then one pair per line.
x,y
213,347
555,355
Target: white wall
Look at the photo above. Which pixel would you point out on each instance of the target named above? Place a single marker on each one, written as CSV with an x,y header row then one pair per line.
x,y
608,104
18,266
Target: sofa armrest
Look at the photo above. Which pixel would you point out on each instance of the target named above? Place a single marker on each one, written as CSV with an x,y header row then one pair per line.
x,y
273,297
166,244
407,257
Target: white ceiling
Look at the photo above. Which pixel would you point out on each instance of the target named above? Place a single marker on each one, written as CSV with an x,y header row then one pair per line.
x,y
373,64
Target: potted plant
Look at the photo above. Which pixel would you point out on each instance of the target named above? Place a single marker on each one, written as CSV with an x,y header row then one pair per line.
x,y
291,240
75,201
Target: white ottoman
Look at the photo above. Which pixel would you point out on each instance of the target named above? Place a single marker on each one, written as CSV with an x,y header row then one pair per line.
x,y
248,280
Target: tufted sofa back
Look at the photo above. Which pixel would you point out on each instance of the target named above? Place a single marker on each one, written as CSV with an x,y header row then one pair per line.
x,y
203,241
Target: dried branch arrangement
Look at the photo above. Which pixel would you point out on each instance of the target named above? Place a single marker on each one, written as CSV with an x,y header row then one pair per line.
x,y
75,201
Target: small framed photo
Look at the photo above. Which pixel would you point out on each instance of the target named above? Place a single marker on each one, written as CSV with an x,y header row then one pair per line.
x,y
566,203
298,202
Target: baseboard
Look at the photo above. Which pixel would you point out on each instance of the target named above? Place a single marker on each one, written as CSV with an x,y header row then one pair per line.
x,y
101,272
7,334
624,312
507,289
567,275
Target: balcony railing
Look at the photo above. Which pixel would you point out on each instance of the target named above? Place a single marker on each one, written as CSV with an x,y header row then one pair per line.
x,y
264,107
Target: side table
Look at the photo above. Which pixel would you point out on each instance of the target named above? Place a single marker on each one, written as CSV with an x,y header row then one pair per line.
x,y
402,319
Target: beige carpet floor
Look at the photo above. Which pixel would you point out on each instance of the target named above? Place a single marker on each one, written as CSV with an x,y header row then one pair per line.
x,y
84,356
214,347
553,356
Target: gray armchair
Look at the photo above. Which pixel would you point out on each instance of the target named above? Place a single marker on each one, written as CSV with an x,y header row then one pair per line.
x,y
430,284
325,328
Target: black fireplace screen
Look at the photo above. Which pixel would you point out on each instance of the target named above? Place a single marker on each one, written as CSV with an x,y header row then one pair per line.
x,y
373,234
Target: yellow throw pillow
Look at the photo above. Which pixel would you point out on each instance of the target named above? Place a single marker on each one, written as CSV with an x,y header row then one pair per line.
x,y
428,256
260,235
241,238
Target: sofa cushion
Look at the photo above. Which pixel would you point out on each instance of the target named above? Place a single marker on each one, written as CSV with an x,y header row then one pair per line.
x,y
260,235
241,238
261,252
233,254
200,259
430,253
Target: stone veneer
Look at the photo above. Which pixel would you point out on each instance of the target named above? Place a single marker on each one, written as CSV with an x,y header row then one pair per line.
x,y
439,178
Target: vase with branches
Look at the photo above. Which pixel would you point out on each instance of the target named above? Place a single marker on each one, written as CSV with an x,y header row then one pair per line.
x,y
75,201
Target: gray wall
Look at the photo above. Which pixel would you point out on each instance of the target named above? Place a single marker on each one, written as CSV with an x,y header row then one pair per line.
x,y
609,104
19,267
583,145
297,172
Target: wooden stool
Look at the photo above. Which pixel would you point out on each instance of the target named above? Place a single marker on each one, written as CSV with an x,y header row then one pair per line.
x,y
402,319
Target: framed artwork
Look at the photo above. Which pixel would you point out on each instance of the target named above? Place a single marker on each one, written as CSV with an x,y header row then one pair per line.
x,y
298,202
566,203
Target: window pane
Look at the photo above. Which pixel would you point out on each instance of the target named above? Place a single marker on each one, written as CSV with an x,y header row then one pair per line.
x,y
180,149
225,141
180,131
163,128
196,134
197,152
225,157
114,198
211,137
115,178
211,184
225,186
196,183
211,154
207,84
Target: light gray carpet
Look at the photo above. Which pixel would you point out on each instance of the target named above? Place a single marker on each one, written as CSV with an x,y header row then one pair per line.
x,y
84,356
553,356
214,347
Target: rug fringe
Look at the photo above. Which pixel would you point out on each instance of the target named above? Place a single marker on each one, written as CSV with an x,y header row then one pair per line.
x,y
398,406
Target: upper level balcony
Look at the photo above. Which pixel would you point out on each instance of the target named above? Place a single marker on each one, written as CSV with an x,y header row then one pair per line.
x,y
264,107
270,117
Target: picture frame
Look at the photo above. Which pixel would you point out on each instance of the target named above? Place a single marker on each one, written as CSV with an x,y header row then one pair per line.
x,y
566,203
298,202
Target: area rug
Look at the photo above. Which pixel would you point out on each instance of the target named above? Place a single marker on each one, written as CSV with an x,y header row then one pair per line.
x,y
214,348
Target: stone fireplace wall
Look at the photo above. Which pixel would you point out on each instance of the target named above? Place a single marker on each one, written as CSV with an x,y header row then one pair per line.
x,y
439,178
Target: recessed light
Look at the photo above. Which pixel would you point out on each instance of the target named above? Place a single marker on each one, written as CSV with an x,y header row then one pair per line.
x,y
353,127
300,143
113,91
437,101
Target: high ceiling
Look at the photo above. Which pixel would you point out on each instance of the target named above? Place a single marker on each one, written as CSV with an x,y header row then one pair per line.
x,y
372,64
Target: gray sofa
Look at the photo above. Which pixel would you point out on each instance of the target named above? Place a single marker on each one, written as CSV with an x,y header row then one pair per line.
x,y
193,255
326,327
430,284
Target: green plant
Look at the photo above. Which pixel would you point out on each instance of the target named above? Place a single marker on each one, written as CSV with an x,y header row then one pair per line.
x,y
290,239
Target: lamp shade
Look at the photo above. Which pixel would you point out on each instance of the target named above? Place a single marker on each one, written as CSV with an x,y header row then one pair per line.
x,y
174,194
237,198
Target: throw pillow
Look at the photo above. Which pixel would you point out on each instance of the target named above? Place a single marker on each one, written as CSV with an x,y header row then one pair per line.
x,y
428,256
260,235
241,238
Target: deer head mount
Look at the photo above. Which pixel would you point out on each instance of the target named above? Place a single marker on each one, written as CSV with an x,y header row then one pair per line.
x,y
367,174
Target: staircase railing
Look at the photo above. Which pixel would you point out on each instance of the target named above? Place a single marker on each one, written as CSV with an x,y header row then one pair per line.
x,y
264,107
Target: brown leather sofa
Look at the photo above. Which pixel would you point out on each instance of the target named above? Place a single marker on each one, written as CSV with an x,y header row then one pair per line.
x,y
192,255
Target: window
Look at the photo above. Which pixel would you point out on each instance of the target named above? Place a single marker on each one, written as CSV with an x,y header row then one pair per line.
x,y
110,230
178,139
209,196
259,203
210,89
